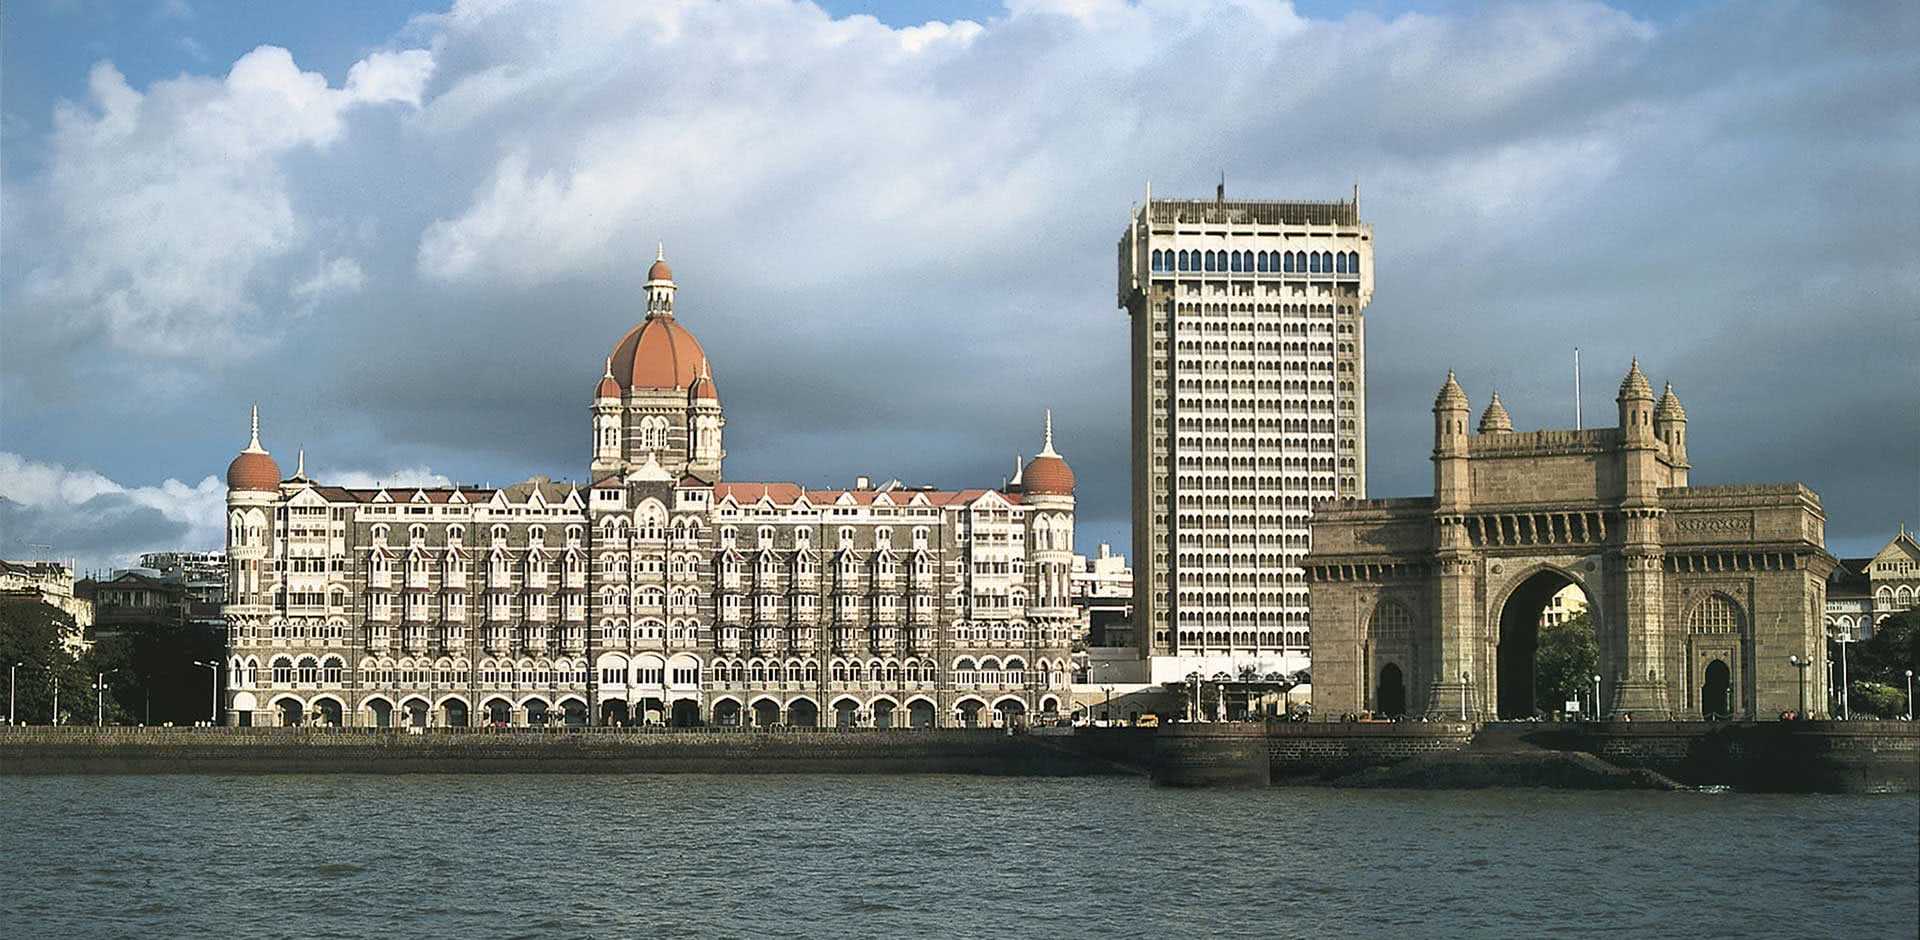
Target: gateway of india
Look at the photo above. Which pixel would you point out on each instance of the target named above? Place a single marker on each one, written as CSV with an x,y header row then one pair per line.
x,y
1706,601
657,593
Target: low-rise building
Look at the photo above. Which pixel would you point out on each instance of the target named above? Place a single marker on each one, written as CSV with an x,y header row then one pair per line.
x,y
52,583
1862,592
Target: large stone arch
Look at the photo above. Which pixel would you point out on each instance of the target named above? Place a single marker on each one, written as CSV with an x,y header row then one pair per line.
x,y
1525,586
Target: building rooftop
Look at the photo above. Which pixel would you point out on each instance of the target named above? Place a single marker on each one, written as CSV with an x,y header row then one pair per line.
x,y
1249,212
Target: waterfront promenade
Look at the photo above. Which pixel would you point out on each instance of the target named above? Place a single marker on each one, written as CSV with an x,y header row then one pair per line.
x,y
1836,757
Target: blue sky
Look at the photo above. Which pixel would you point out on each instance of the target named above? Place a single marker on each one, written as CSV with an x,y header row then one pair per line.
x,y
412,232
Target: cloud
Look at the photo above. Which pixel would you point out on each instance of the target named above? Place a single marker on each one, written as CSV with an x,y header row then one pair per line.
x,y
81,514
166,223
897,244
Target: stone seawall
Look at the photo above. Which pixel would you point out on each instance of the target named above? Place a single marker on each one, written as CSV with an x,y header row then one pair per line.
x,y
295,750
1772,756
1307,751
1211,755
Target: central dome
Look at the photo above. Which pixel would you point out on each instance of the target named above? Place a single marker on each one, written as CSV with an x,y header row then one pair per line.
x,y
657,354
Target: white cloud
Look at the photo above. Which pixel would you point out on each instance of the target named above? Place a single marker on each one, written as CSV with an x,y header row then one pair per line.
x,y
81,514
335,275
400,477
165,215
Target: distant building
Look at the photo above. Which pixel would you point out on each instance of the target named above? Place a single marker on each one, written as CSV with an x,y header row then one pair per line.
x,y
134,599
1563,606
1862,592
1102,591
203,576
51,583
1249,406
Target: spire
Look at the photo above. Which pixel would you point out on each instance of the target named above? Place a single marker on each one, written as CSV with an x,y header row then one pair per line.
x,y
1018,461
1635,386
609,373
660,251
1495,419
253,443
1451,395
300,465
1046,446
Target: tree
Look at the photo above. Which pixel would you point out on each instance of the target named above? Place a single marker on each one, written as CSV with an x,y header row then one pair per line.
x,y
30,635
1564,662
1893,649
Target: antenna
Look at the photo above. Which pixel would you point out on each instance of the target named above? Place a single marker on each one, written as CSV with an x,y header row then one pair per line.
x,y
1576,388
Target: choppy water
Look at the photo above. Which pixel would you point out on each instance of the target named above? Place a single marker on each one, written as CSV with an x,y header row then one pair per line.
x,y
619,856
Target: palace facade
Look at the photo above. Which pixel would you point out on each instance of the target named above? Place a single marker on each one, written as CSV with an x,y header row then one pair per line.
x,y
656,592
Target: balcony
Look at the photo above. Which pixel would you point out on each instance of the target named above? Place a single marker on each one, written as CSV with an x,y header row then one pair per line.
x,y
845,639
727,640
919,640
768,639
801,639
499,641
454,578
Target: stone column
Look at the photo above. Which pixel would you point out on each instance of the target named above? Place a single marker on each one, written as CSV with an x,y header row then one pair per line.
x,y
1457,629
1639,688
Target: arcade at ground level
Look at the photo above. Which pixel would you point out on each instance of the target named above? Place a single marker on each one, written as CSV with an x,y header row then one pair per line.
x,y
327,709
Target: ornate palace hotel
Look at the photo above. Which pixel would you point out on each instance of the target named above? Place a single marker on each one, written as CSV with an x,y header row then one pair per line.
x,y
658,593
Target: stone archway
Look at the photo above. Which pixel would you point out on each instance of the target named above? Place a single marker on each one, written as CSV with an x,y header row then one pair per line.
x,y
613,711
292,713
766,713
802,713
726,713
685,713
456,713
1518,690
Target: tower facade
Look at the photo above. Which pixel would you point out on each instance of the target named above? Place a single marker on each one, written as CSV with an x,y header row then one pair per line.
x,y
1249,405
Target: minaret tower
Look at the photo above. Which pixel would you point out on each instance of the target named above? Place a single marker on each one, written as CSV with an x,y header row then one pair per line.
x,y
1641,597
1670,426
1458,678
253,489
1046,486
606,425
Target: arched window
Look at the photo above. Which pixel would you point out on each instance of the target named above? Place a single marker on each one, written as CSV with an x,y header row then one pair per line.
x,y
1260,263
1390,623
282,669
1340,263
1716,613
1208,261
1353,262
1156,259
1287,262
1233,262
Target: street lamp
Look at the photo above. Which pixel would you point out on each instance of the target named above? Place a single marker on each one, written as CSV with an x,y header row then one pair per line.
x,y
214,668
1466,688
1846,710
1801,665
1909,695
1596,696
15,666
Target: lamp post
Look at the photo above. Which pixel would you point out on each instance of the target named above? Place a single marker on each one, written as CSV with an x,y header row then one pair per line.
x,y
15,666
56,699
1466,688
1801,665
99,700
1909,695
213,668
1846,710
1596,696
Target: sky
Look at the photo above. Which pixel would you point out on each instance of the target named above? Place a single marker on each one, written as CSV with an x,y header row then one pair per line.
x,y
412,234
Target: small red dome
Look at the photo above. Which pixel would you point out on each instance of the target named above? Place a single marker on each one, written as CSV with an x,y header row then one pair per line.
x,y
1047,475
254,470
660,271
703,390
608,388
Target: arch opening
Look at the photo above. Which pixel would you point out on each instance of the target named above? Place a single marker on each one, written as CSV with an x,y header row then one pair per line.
x,y
1548,649
1716,691
1391,694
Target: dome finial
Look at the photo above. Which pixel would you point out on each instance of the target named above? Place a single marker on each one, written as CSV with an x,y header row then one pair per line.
x,y
1046,444
660,251
253,441
609,373
300,465
1019,462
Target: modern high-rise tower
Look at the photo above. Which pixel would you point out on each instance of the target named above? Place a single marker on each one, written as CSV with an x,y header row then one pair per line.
x,y
1249,405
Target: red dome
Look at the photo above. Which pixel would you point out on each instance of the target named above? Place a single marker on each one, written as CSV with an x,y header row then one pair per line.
x,y
703,390
608,388
660,271
1047,475
254,470
658,354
